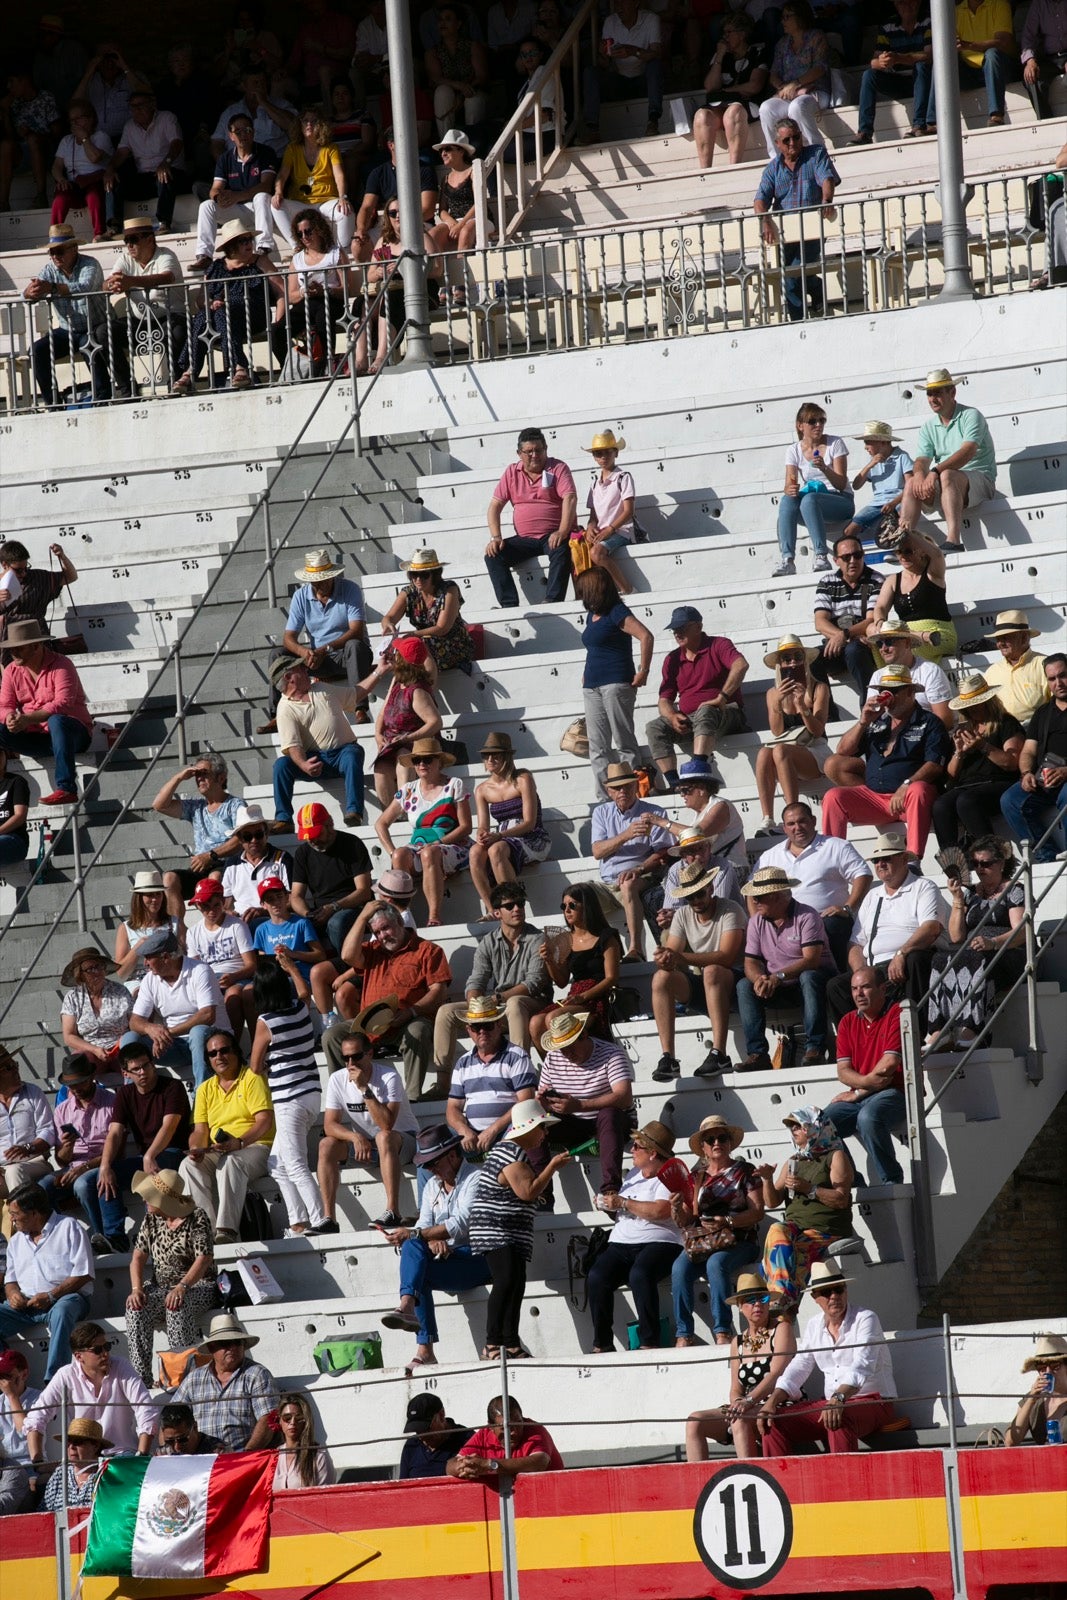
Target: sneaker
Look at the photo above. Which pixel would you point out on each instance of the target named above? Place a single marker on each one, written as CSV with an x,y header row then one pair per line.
x,y
769,829
60,797
821,564
785,569
403,1321
225,1236
388,1219
280,825
755,1063
353,819
329,1226
713,1064
117,1243
667,1067
99,1245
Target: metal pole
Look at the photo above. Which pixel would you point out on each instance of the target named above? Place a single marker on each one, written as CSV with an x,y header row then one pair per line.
x,y
63,1514
418,351
79,877
268,536
951,1467
506,1488
915,1111
179,702
1035,1056
958,285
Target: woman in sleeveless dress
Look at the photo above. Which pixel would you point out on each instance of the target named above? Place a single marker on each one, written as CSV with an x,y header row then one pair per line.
x,y
758,1357
510,833
431,606
440,816
585,961
918,594
150,908
409,712
315,291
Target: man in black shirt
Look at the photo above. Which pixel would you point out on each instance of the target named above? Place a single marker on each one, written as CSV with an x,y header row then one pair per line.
x,y
244,178
40,588
331,875
14,806
1032,804
381,187
152,1108
435,1438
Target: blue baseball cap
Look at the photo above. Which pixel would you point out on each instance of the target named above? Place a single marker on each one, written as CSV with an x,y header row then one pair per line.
x,y
682,616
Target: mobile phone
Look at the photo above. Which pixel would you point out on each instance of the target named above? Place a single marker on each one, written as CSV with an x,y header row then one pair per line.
x,y
792,674
69,1130
220,1136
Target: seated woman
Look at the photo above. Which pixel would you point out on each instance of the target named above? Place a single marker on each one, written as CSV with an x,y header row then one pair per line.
x,y
817,490
798,709
176,1240
302,1464
735,85
800,76
384,314
586,958
509,834
315,293
645,1240
961,990
85,1442
1047,1399
409,712
312,174
987,743
815,1185
458,71
757,1358
82,159
235,300
151,908
430,604
721,1226
95,1013
918,595
455,229
440,816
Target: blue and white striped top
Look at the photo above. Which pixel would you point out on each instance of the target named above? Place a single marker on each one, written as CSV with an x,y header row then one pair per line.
x,y
488,1089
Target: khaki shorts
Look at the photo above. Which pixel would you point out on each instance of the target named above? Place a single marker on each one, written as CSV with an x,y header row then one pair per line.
x,y
980,486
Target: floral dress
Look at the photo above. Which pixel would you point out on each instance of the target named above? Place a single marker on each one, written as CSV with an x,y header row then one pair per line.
x,y
809,1228
425,812
966,983
452,649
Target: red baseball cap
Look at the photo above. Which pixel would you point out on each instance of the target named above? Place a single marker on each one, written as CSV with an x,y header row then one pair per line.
x,y
205,890
271,886
412,650
310,821
12,1361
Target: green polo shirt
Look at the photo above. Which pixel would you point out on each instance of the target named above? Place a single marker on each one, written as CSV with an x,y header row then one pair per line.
x,y
938,440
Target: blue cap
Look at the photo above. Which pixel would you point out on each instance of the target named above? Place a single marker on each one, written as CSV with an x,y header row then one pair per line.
x,y
161,942
700,770
682,616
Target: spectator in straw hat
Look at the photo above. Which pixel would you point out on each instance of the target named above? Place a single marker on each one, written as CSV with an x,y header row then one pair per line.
x,y
176,1240
694,848
758,1357
1047,1399
540,490
430,604
71,284
798,709
987,743
848,1346
630,840
510,833
236,301
257,860
645,1239
896,644
587,1084
1019,676
787,960
43,712
721,1227
955,461
904,751
833,877
95,1012
887,471
610,503
1036,802
153,905
316,738
232,1396
897,927
489,1080
696,966
85,1444
441,825
328,609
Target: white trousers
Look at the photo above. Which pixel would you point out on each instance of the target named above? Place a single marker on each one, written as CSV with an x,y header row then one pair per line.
x,y
207,223
288,1164
219,1183
344,226
804,111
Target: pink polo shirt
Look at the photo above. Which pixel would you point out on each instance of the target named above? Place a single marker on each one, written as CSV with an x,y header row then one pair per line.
x,y
55,691
535,506
92,1120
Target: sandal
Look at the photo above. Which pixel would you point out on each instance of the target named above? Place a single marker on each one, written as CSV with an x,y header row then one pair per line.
x,y
490,1352
240,379
419,1361
518,1353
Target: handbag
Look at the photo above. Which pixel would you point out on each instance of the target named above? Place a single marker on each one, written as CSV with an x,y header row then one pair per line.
x,y
357,1352
575,741
433,825
583,1250
784,1054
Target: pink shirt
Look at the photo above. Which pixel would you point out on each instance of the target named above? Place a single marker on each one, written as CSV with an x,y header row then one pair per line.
x,y
535,506
56,691
92,1121
606,498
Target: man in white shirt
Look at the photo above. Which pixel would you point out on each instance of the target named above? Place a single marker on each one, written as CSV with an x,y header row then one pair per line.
x,y
365,1110
150,159
832,876
179,1005
631,50
898,925
316,738
49,1273
274,120
27,1131
894,642
858,1381
100,1386
16,1397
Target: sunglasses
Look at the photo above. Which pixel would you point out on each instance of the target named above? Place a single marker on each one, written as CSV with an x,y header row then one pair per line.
x,y
850,555
570,905
717,1138
423,761
226,1050
512,905
100,1349
307,228
355,1055
142,233
257,833
481,1027
393,214
826,1294
979,865
756,1300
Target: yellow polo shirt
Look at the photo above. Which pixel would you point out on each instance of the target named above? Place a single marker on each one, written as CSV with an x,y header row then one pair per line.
x,y
1022,688
992,17
236,1111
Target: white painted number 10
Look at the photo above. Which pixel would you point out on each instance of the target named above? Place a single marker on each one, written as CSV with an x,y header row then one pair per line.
x,y
743,1526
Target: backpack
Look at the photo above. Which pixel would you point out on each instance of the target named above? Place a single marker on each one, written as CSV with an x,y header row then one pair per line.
x,y
255,1219
583,1251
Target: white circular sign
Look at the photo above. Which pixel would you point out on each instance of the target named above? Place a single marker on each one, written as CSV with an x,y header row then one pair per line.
x,y
743,1526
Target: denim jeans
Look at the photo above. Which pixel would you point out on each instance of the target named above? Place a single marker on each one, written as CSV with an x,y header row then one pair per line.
x,y
58,343
855,662
191,1051
105,1216
345,762
993,73
814,510
603,83
14,847
800,284
421,1272
896,86
1029,815
809,989
65,739
61,1319
721,1270
874,1119
515,552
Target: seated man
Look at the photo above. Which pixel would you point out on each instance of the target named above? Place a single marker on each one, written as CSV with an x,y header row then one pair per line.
x,y
955,462
483,1455
71,283
328,608
543,499
152,1110
587,1084
243,183
848,1346
179,1434
178,1005
42,708
888,765
150,160
694,849
897,927
367,1111
902,68
869,1065
844,610
1044,54
629,64
695,966
896,643
213,815
1032,805
100,1386
273,120
832,876
17,1478
284,926
315,737
82,1121
631,841
434,1438
149,275
49,1274
410,972
436,1253
787,958
1019,676
27,1132
986,51
257,860
331,876
489,1079
700,698
231,1396
506,965
380,187
233,1129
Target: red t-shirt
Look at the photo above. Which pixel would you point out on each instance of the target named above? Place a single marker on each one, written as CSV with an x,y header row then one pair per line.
x,y
484,1442
407,974
692,683
863,1044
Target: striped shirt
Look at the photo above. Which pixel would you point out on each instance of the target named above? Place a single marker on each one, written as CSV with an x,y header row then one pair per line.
x,y
489,1089
291,1070
229,1412
499,1220
606,1067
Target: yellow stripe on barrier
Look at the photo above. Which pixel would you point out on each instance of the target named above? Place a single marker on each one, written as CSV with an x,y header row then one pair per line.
x,y
1013,1522
30,1577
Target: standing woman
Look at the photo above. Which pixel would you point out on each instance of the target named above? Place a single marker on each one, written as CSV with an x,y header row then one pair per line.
x,y
815,1184
314,291
585,962
151,907
440,816
176,1240
409,712
283,1051
918,594
798,709
610,681
302,1464
312,174
800,76
817,488
721,1227
501,1221
430,603
758,1357
610,504
509,833
987,743
458,70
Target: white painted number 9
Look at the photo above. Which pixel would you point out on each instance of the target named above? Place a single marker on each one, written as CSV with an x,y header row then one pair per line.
x,y
743,1526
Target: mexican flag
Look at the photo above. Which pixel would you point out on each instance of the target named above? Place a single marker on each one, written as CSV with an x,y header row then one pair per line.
x,y
181,1516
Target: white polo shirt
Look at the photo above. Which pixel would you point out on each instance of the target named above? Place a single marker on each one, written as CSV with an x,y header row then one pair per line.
x,y
898,915
934,687
149,146
195,987
825,869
